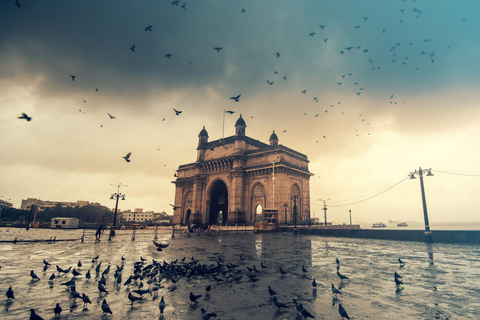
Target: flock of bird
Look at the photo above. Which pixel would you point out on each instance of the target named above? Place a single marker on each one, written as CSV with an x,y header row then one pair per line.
x,y
398,53
146,280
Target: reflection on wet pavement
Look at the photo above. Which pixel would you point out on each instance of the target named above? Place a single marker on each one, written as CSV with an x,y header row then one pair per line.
x,y
440,281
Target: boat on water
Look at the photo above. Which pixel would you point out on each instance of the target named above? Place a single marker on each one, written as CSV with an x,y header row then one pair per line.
x,y
379,225
402,224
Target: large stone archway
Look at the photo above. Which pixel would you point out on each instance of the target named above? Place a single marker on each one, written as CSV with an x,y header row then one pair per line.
x,y
235,175
218,199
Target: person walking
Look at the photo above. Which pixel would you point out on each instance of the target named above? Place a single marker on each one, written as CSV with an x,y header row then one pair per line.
x,y
98,233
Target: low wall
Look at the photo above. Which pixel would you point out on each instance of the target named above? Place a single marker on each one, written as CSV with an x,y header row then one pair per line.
x,y
452,236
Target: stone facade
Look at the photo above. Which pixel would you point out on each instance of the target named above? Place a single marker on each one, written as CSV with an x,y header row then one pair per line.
x,y
234,175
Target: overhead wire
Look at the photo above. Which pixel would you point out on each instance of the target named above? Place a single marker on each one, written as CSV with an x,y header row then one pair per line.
x,y
371,197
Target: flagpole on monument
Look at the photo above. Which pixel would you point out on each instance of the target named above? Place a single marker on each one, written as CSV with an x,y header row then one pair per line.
x,y
223,127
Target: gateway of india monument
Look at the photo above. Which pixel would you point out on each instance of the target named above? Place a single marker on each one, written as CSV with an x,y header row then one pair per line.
x,y
237,178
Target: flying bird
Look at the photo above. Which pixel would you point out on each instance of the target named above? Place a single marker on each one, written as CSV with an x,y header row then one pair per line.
x,y
168,55
311,34
18,4
73,77
277,54
357,27
236,98
270,82
325,40
321,26
230,112
174,208
184,6
218,48
127,157
176,2
243,10
177,112
148,28
132,48
304,91
111,117
365,18
24,116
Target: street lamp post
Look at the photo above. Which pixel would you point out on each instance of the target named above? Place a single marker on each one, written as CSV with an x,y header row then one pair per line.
x,y
350,212
325,210
117,196
428,233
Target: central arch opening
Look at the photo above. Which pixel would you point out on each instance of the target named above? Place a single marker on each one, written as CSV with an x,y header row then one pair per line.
x,y
219,203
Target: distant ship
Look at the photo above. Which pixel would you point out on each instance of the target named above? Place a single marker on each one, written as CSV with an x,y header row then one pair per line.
x,y
379,225
402,224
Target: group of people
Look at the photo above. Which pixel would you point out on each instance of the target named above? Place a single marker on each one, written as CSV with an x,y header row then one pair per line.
x,y
100,230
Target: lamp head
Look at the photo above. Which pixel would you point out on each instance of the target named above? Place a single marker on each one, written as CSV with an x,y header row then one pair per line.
x,y
123,197
111,198
412,176
429,173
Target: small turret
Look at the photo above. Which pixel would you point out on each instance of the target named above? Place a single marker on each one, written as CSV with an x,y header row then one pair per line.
x,y
203,137
240,127
273,139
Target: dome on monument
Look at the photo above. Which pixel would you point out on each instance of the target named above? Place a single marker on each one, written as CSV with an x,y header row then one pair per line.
x,y
203,133
240,122
273,136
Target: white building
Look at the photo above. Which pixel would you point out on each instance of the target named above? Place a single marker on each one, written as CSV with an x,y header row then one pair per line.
x,y
64,223
140,216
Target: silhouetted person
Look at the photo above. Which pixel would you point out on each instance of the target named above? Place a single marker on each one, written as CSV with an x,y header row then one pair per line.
x,y
112,233
98,233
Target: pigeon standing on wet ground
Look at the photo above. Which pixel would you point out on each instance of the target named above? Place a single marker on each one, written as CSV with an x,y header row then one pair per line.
x,y
402,264
342,312
341,276
10,294
34,276
57,310
161,305
279,304
101,288
207,315
271,291
86,300
335,291
34,315
194,297
106,307
133,298
314,284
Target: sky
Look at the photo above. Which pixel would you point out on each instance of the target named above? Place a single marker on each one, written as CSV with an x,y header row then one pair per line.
x,y
369,90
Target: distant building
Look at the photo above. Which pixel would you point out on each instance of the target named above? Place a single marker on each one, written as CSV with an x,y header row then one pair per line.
x,y
44,204
4,203
64,223
140,216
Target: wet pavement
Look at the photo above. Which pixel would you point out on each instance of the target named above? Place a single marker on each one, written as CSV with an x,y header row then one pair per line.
x,y
441,281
